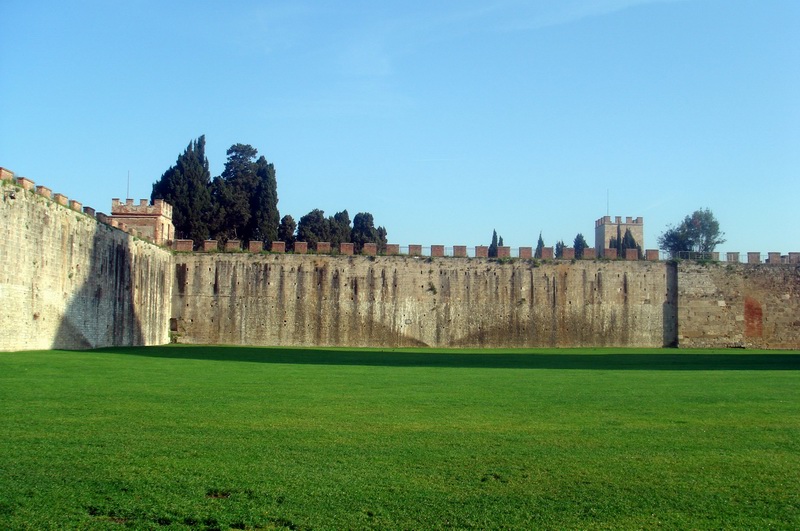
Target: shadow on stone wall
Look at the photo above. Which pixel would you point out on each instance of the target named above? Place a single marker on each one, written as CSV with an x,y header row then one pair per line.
x,y
670,308
102,311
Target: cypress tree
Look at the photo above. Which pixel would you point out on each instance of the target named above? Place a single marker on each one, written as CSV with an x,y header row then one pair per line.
x,y
493,245
539,247
579,244
186,186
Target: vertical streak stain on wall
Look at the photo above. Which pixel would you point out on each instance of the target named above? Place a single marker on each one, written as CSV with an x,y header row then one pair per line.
x,y
404,301
67,281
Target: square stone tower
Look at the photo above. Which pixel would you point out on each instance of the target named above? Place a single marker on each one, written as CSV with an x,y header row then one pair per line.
x,y
605,229
153,221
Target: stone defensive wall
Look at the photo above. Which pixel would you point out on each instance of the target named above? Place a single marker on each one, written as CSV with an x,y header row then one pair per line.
x,y
68,281
73,278
753,305
390,301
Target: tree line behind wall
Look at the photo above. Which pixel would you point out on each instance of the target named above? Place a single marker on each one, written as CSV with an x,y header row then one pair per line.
x,y
242,203
579,244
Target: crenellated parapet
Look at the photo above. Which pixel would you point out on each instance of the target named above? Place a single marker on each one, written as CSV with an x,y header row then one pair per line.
x,y
394,249
154,221
151,223
144,209
607,229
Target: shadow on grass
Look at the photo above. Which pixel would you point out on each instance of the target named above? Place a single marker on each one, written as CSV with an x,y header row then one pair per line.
x,y
673,360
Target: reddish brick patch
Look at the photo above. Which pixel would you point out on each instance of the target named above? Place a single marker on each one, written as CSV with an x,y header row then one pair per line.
x,y
753,318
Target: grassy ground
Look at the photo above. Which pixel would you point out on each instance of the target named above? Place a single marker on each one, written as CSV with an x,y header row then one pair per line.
x,y
225,437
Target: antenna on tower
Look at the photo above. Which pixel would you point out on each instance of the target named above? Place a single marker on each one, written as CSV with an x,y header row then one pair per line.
x,y
607,210
128,189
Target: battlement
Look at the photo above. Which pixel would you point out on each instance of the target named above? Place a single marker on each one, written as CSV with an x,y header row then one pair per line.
x,y
629,220
148,222
144,208
104,287
153,221
607,229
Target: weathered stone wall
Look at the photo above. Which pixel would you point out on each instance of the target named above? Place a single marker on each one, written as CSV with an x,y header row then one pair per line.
x,y
402,301
67,281
750,305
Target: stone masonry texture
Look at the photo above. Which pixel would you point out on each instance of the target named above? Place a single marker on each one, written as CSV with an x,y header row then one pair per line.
x,y
69,282
750,305
419,301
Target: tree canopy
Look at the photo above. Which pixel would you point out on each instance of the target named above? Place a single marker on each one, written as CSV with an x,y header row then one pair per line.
x,y
246,197
242,203
340,228
698,232
313,228
186,186
559,252
364,231
579,244
286,230
539,247
625,242
493,245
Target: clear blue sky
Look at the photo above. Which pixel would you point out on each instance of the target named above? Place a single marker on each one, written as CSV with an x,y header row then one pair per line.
x,y
445,120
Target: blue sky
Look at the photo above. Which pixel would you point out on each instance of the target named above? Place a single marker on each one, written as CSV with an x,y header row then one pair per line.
x,y
445,120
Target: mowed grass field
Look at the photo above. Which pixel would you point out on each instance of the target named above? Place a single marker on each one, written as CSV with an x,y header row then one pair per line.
x,y
262,438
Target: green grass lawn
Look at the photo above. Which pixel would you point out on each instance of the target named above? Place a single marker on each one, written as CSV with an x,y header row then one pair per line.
x,y
249,438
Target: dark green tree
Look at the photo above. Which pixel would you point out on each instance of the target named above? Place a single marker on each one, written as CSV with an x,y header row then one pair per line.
x,y
382,239
675,241
703,231
493,245
313,228
232,193
264,222
340,228
615,242
246,197
186,186
364,231
698,232
629,242
500,242
579,244
559,248
539,247
286,230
